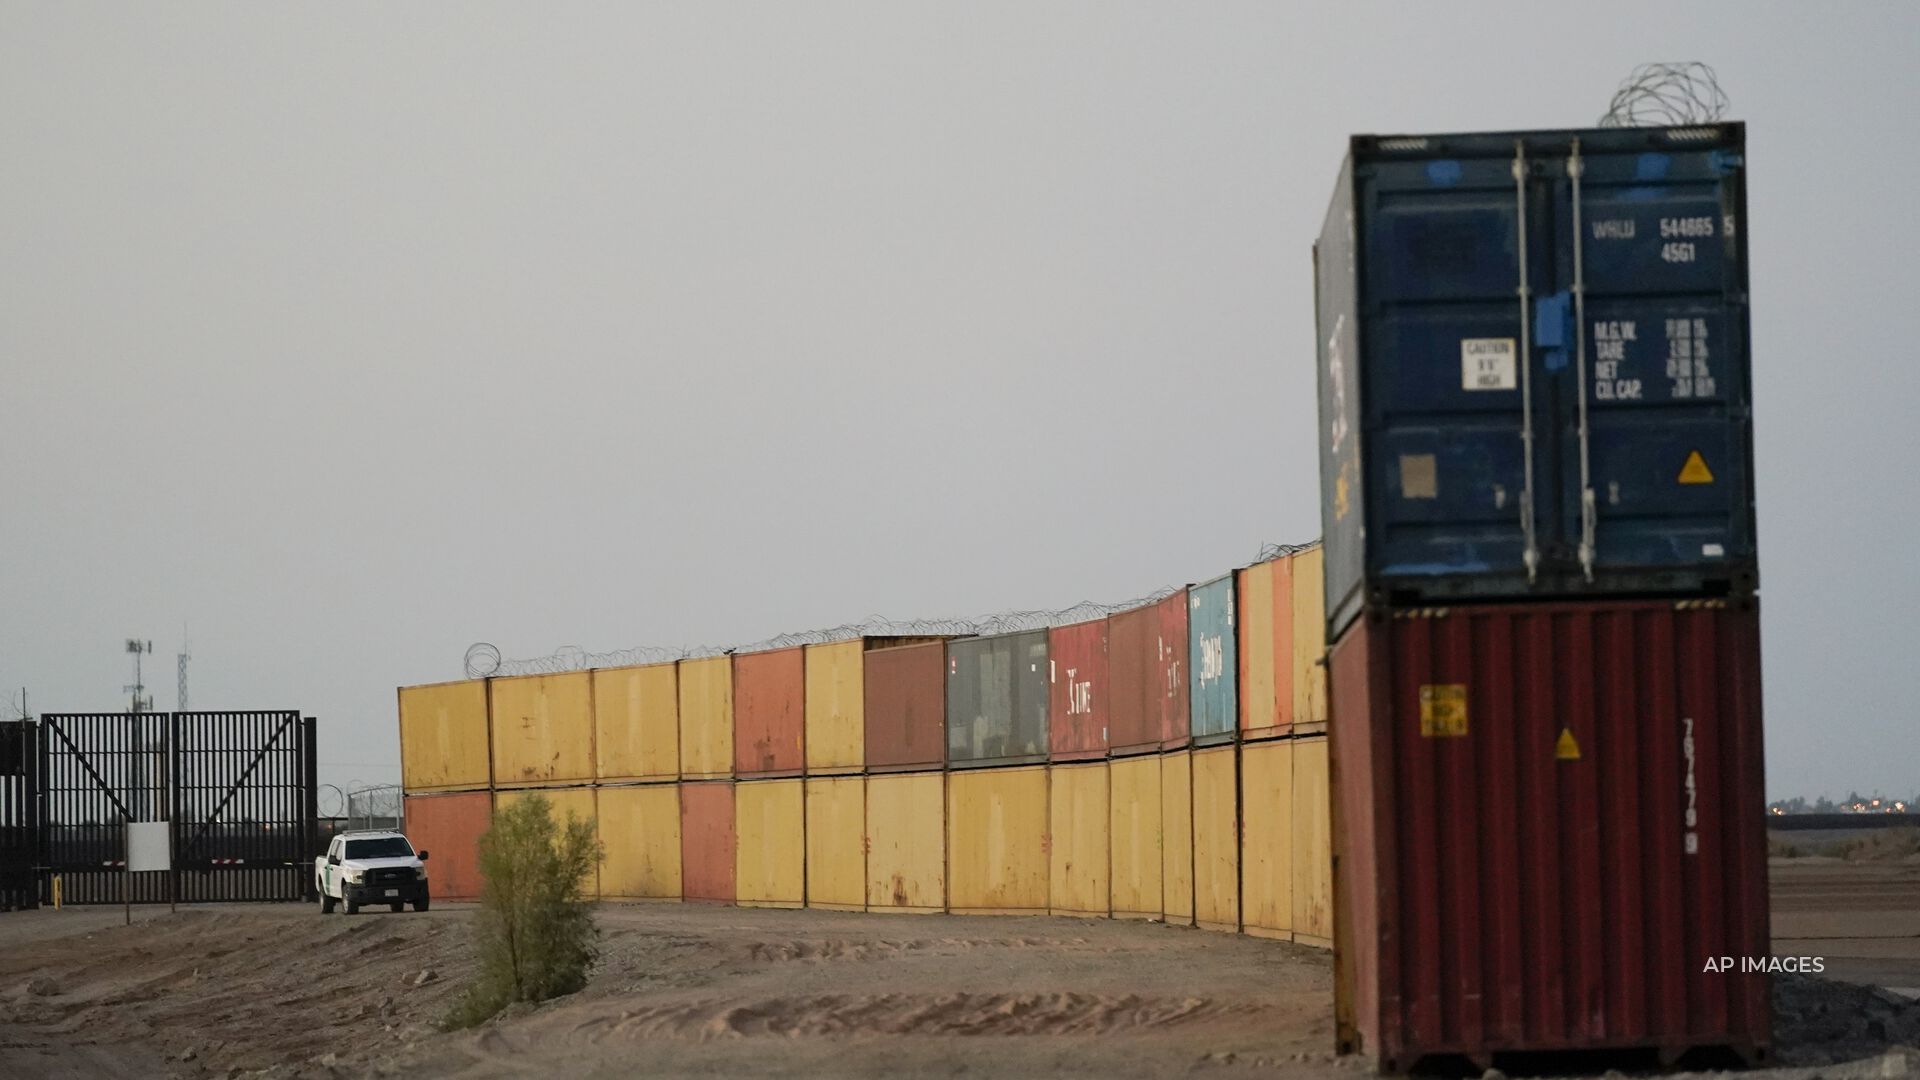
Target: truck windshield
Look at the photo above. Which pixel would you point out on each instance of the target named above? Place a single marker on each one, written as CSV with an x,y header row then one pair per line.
x,y
383,847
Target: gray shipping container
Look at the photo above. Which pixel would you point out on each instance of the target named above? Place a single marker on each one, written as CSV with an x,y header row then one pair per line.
x,y
997,700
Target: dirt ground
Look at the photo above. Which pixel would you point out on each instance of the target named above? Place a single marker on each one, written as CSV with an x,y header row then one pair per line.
x,y
685,990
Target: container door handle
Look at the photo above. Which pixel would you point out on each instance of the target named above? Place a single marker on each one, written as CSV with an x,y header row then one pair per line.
x,y
1589,508
1532,555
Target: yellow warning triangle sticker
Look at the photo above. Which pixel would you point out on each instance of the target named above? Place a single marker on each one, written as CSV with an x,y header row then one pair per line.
x,y
1695,471
1568,748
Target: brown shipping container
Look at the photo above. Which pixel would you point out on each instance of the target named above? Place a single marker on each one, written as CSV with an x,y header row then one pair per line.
x,y
1147,668
906,707
1077,705
707,841
769,710
448,828
1548,823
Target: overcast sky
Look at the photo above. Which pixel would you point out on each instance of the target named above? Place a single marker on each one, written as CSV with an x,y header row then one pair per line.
x,y
350,336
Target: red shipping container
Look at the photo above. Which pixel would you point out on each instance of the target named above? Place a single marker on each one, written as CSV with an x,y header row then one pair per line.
x,y
1077,699
769,713
1548,823
707,841
1147,668
906,706
448,828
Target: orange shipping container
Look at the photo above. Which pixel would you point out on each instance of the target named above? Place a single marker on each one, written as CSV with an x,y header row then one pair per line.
x,y
636,723
707,841
769,703
448,829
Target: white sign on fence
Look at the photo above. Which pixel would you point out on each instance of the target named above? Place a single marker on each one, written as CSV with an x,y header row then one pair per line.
x,y
148,847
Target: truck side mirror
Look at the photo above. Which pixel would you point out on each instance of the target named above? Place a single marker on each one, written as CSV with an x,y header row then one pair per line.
x,y
333,860
423,856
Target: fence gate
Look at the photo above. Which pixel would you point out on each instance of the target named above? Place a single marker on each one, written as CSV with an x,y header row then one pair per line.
x,y
19,803
238,787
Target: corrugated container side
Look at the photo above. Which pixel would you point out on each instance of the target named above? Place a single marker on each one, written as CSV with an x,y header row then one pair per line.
x,y
1213,661
444,737
640,830
1077,703
1549,823
636,723
836,709
1309,641
997,841
1267,831
1139,870
706,720
770,864
769,707
1176,836
906,707
907,843
707,840
836,843
542,729
1216,839
1266,651
1312,845
1079,852
566,804
997,699
1147,663
448,828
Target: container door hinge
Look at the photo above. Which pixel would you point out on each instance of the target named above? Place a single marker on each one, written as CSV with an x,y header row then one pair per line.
x,y
1531,556
1589,507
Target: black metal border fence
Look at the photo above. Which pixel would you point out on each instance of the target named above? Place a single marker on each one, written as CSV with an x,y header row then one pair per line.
x,y
19,805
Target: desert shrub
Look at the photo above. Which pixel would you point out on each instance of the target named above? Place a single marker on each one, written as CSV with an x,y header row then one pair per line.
x,y
534,930
1884,845
1781,848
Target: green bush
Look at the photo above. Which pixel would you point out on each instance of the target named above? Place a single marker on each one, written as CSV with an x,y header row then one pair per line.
x,y
534,931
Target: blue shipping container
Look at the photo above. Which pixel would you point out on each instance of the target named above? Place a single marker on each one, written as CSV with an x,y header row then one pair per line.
x,y
1534,368
1213,658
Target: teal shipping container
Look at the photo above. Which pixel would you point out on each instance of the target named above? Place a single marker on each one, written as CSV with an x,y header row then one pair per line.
x,y
1214,661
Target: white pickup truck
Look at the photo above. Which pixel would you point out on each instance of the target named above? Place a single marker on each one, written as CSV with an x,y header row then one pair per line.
x,y
363,868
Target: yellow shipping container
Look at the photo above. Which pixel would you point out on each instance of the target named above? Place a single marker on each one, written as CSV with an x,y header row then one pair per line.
x,y
576,803
770,853
640,828
1266,856
1216,840
907,843
1138,862
1079,855
836,843
836,707
636,723
706,718
1312,845
1176,837
996,841
1254,609
542,729
443,736
1309,641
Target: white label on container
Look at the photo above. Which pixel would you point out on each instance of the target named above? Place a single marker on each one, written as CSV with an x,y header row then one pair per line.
x,y
1487,364
1712,551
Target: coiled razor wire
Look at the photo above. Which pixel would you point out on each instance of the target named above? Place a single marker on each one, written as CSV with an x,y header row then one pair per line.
x,y
484,660
1667,95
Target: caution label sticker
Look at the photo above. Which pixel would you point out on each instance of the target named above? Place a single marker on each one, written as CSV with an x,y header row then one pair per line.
x,y
1443,710
1568,747
1695,471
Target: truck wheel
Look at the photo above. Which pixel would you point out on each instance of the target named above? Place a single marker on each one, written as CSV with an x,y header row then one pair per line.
x,y
326,903
420,904
352,907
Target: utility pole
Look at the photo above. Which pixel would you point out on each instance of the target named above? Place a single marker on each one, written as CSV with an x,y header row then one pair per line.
x,y
180,697
142,701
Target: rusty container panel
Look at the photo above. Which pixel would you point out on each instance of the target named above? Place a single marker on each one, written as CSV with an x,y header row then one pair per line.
x,y
707,841
1139,867
1176,837
1266,649
1266,838
636,723
1078,845
1312,845
1549,821
906,707
769,710
836,708
564,804
1147,665
836,843
706,719
997,841
443,736
770,861
542,729
1077,698
907,843
1216,839
997,700
1309,640
448,828
640,830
